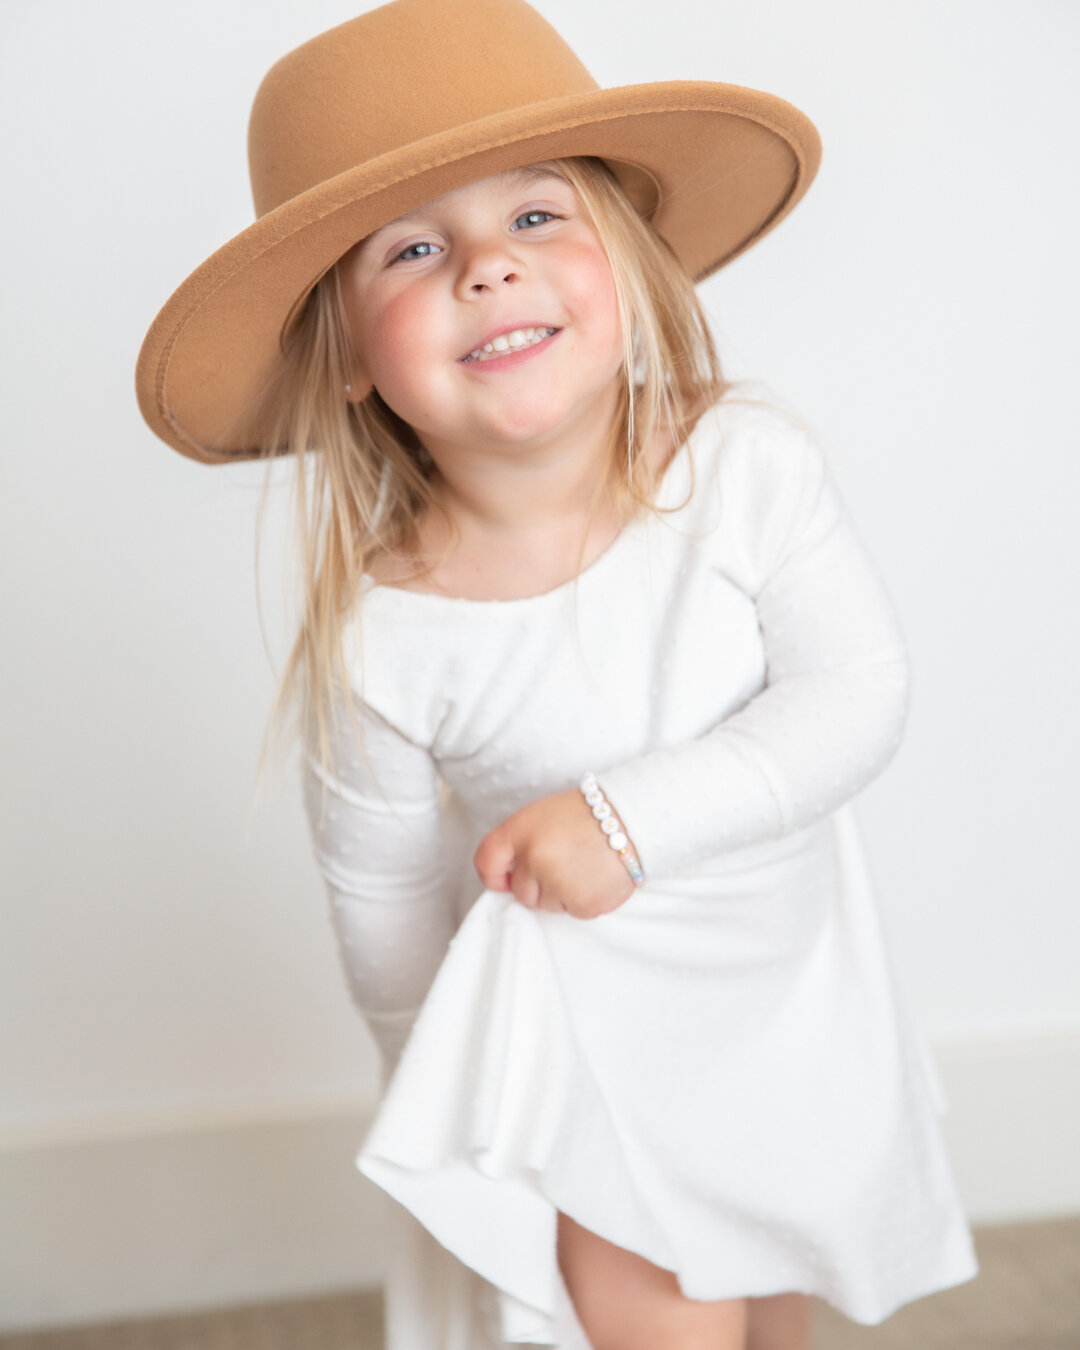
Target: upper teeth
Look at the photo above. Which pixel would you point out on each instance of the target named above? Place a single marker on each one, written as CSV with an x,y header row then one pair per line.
x,y
510,342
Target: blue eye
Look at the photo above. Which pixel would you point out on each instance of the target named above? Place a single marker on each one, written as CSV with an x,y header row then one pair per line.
x,y
424,250
533,218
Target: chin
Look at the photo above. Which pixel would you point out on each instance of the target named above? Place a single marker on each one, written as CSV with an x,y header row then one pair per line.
x,y
521,427
538,417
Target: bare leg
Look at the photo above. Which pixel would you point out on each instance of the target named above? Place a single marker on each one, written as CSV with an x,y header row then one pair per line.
x,y
780,1322
626,1303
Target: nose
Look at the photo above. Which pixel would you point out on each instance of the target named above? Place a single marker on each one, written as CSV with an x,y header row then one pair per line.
x,y
487,266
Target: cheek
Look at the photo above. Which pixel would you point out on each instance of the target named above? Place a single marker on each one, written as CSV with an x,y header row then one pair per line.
x,y
594,292
391,336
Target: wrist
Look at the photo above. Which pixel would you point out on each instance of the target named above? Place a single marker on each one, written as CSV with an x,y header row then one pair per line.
x,y
611,828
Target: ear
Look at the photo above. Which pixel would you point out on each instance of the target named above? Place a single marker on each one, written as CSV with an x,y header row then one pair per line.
x,y
358,387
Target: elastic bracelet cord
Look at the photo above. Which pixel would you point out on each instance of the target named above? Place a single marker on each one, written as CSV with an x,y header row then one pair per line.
x,y
616,836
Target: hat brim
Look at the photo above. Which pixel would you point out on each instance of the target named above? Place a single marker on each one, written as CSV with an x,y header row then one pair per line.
x,y
713,166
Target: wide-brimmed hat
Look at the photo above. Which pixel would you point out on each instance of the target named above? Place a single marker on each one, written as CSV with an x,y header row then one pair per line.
x,y
407,102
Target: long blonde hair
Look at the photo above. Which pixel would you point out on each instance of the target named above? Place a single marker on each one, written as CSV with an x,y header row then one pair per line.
x,y
363,478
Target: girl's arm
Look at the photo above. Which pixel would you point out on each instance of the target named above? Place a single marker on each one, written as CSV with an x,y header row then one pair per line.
x,y
835,701
833,708
379,843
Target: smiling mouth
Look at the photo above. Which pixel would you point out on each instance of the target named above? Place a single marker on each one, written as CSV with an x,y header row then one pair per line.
x,y
505,343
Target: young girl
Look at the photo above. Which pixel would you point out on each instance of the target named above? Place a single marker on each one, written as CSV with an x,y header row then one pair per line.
x,y
591,665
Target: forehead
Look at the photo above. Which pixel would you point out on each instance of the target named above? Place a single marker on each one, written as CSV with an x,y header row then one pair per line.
x,y
509,180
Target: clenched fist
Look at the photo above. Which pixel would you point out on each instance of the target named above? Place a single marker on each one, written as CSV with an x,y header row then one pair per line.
x,y
551,855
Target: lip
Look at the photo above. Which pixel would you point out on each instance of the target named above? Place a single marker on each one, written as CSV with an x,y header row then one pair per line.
x,y
510,356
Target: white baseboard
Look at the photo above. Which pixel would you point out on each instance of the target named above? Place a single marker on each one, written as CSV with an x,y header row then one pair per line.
x,y
116,1220
1012,1123
200,1217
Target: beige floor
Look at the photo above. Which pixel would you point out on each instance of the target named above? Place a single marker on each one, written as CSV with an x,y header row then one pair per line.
x,y
1026,1298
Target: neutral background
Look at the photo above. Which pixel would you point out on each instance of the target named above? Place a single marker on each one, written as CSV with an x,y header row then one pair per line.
x,y
171,1006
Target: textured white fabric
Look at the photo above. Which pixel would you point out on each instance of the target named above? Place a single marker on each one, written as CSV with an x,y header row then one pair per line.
x,y
719,1075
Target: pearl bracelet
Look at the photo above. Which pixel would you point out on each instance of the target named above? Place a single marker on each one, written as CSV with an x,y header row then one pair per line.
x,y
617,837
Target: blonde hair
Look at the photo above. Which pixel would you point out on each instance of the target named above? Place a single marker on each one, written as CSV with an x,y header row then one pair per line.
x,y
363,477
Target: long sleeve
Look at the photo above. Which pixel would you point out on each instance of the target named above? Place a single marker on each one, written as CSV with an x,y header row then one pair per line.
x,y
379,844
832,710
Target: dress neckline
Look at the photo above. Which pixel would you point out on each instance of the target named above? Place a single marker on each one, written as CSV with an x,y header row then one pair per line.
x,y
604,560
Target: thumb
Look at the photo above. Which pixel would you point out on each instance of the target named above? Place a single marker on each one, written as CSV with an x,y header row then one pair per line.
x,y
494,860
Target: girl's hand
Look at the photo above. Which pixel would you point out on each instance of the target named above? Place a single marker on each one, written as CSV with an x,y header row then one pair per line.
x,y
552,855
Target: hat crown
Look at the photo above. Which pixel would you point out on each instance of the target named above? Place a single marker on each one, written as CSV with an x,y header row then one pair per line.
x,y
391,77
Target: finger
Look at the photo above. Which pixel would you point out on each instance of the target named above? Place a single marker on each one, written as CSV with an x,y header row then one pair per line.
x,y
525,887
551,902
494,861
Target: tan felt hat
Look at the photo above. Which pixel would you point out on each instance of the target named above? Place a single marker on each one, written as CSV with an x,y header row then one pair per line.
x,y
407,102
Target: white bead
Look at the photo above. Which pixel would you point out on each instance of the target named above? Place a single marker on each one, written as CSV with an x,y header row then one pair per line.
x,y
601,810
618,840
594,797
610,825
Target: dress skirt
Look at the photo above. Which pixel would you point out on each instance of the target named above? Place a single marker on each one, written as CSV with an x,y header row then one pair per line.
x,y
721,1079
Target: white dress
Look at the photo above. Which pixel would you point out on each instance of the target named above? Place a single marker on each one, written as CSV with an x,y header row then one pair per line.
x,y
719,1075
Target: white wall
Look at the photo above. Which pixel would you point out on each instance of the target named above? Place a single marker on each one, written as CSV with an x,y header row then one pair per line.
x,y
167,965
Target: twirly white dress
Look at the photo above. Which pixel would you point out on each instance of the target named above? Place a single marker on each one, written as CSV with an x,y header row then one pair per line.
x,y
719,1075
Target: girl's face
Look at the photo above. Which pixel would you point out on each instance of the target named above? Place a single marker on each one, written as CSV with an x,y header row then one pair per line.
x,y
487,317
